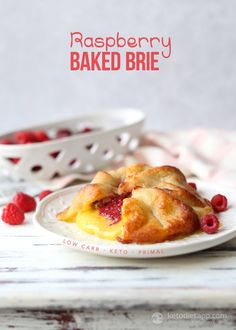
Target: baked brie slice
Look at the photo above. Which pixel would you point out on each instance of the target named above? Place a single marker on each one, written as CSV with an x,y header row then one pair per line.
x,y
138,204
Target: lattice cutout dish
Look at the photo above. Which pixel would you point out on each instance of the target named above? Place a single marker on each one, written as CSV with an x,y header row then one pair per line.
x,y
114,134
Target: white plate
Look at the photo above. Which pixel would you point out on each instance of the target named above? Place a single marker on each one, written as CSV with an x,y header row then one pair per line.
x,y
69,235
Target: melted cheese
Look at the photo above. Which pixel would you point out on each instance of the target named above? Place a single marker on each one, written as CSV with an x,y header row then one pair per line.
x,y
91,222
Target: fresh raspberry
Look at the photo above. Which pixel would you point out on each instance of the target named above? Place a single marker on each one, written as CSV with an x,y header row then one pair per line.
x,y
25,137
86,130
210,223
44,193
219,203
110,207
63,132
12,214
25,202
41,136
193,185
6,141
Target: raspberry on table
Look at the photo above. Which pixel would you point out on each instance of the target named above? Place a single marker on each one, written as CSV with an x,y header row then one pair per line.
x,y
219,203
210,223
44,193
12,215
25,202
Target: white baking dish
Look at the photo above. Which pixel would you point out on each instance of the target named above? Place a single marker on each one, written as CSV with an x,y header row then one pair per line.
x,y
116,132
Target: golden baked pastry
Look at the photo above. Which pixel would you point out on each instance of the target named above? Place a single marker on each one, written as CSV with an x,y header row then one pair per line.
x,y
138,204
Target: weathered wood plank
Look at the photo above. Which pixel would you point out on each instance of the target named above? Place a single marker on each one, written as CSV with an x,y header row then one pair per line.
x,y
36,271
61,295
134,319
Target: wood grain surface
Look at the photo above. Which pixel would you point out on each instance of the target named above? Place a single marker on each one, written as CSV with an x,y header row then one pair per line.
x,y
44,285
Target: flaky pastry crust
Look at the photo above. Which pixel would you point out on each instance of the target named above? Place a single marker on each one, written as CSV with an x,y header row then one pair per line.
x,y
160,205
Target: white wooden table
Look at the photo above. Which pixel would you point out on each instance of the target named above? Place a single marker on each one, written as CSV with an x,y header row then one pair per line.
x,y
44,285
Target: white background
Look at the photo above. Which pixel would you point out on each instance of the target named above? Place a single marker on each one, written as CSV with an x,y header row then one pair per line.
x,y
195,87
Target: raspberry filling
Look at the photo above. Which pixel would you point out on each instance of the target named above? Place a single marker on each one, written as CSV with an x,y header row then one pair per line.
x,y
210,223
219,203
110,207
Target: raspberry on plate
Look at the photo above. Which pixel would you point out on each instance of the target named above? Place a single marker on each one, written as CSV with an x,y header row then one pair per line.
x,y
25,202
44,193
25,137
210,223
219,203
12,214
